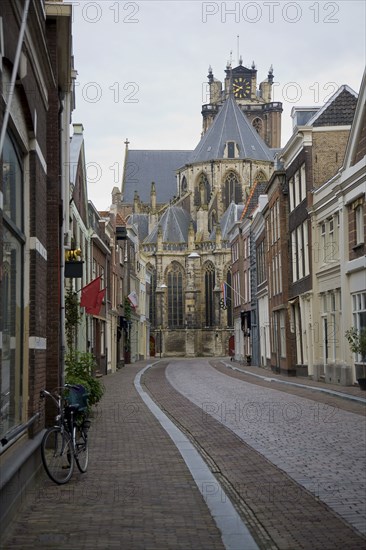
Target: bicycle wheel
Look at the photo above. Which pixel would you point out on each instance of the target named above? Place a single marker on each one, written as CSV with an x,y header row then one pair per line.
x,y
81,449
57,455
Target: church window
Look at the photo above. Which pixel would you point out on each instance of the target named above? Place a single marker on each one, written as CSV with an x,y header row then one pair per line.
x,y
175,296
184,185
231,150
232,190
209,294
258,125
212,221
203,191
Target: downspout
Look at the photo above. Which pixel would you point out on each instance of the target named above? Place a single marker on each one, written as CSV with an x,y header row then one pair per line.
x,y
63,169
14,75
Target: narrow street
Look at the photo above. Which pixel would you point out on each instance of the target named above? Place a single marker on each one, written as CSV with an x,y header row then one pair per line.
x,y
289,459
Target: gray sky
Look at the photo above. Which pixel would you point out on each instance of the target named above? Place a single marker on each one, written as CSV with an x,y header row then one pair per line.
x,y
142,67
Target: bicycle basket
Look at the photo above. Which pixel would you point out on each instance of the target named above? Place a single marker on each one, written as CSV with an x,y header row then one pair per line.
x,y
77,395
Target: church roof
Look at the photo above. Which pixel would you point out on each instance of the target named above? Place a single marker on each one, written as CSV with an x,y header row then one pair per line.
x,y
231,215
141,223
174,225
231,124
142,167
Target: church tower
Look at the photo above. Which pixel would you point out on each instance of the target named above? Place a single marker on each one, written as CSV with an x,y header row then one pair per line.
x,y
255,101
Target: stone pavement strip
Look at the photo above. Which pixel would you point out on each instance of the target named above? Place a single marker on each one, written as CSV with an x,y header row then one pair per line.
x,y
136,494
280,513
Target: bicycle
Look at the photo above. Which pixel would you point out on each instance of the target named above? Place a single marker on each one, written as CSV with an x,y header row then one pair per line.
x,y
67,441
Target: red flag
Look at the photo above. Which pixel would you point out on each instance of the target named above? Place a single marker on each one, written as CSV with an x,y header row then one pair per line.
x,y
89,294
96,309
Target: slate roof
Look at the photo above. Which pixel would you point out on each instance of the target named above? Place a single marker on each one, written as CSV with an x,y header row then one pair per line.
x,y
338,111
231,124
174,224
142,167
141,223
231,215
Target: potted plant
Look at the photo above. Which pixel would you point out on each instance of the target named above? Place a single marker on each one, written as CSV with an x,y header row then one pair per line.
x,y
357,343
80,369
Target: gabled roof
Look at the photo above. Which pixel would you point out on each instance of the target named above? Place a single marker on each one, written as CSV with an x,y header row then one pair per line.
x,y
142,167
339,110
355,150
174,225
259,188
231,124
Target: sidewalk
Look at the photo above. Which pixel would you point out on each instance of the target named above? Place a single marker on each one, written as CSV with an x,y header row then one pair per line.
x,y
136,494
351,391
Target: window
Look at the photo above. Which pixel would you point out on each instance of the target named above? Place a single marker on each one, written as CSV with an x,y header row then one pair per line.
x,y
175,296
359,224
204,190
261,268
232,190
283,333
231,150
300,252
359,315
12,303
235,252
297,188
152,313
209,294
229,300
258,125
236,287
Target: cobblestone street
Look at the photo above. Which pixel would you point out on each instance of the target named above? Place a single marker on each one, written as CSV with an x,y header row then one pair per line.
x,y
291,464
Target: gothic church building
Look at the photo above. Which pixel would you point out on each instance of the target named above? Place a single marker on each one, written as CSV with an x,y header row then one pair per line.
x,y
183,204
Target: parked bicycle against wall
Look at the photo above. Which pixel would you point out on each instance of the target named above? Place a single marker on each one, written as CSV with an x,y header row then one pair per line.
x,y
67,441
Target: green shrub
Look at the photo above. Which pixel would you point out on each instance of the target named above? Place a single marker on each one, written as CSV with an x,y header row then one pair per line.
x,y
80,368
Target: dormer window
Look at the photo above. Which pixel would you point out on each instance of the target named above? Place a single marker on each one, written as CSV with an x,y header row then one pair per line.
x,y
231,150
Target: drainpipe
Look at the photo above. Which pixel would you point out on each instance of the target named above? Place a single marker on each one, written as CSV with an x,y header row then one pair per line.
x,y
14,75
64,172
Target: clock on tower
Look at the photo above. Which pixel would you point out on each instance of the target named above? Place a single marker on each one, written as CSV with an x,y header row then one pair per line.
x,y
241,87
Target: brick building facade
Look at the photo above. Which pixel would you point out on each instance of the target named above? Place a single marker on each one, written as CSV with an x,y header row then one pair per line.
x,y
36,103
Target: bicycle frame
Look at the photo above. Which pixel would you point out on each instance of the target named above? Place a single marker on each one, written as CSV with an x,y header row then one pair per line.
x,y
74,447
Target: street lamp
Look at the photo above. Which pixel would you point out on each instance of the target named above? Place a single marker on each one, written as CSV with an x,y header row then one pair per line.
x,y
162,287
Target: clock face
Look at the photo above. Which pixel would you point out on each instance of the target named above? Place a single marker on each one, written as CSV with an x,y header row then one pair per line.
x,y
241,87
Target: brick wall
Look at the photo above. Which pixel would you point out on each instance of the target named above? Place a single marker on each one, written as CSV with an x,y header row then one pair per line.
x,y
328,154
53,220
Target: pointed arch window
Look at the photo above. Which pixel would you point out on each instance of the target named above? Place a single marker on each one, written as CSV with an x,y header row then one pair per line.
x,y
203,191
258,125
175,296
212,220
209,294
184,185
232,190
